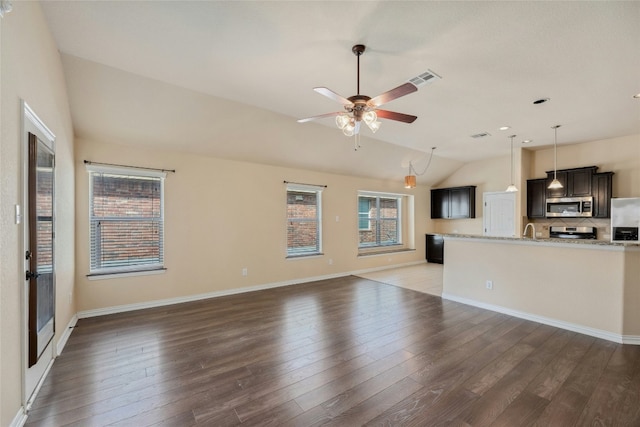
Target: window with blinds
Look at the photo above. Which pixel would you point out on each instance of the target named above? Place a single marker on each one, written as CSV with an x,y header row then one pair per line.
x,y
126,220
304,220
379,220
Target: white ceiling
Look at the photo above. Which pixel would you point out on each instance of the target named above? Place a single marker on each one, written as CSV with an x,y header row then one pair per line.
x,y
164,73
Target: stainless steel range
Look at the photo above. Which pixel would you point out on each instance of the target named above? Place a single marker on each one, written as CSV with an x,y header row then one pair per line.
x,y
557,232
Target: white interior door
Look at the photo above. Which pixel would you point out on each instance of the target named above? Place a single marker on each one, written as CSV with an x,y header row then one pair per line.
x,y
499,214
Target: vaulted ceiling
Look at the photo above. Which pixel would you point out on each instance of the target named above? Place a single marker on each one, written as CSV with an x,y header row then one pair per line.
x,y
230,79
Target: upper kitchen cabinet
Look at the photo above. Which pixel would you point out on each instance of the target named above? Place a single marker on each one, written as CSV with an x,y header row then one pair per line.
x,y
453,203
575,182
602,184
536,198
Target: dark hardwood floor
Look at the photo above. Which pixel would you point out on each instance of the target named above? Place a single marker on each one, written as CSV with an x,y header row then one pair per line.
x,y
340,352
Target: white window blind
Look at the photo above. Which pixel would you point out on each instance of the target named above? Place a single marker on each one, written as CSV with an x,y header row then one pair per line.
x,y
304,220
126,220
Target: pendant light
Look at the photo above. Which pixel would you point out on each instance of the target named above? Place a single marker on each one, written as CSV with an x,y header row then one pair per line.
x,y
555,184
511,188
410,180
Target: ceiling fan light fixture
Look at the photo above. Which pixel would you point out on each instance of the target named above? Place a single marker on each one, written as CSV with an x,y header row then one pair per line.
x,y
370,117
362,108
374,126
350,128
342,120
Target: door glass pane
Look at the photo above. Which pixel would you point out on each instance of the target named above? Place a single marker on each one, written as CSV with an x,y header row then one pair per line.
x,y
44,231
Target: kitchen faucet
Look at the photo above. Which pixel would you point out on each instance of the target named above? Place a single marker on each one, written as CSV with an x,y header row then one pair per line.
x,y
533,230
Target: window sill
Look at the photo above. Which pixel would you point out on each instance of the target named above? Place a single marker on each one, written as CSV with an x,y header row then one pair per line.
x,y
382,252
115,275
304,256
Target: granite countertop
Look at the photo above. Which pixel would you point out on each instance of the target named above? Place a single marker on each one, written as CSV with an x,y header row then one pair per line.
x,y
590,242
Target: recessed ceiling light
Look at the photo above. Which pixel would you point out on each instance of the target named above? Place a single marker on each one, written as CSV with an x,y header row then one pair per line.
x,y
504,127
541,101
526,141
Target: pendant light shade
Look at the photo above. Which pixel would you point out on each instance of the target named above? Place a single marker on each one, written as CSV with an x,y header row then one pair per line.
x,y
555,184
511,188
410,181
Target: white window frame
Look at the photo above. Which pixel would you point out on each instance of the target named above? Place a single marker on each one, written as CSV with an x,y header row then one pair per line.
x,y
399,220
305,188
143,268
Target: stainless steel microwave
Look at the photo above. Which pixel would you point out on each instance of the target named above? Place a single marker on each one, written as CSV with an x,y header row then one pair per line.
x,y
570,207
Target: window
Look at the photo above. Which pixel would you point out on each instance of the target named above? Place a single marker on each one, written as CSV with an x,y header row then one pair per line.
x,y
304,220
126,220
364,208
379,220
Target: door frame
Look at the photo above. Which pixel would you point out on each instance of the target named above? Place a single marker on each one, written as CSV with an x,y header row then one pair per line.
x,y
32,378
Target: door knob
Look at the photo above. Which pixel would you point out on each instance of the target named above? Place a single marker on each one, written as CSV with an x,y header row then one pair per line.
x,y
30,275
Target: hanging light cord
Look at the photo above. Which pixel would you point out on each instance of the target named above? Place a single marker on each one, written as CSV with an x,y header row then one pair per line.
x,y
555,152
411,168
512,136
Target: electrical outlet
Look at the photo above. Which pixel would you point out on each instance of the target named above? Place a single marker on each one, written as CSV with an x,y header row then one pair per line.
x,y
245,271
330,261
489,284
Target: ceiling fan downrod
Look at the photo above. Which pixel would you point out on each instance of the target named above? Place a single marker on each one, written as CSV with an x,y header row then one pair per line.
x,y
357,51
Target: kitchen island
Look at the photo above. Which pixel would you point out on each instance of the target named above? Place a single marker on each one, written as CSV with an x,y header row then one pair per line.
x,y
587,286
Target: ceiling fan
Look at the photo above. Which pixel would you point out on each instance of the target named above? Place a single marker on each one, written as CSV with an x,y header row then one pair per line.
x,y
361,108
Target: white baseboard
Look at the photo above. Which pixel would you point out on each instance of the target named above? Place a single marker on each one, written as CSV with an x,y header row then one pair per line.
x,y
189,298
66,334
19,419
631,339
598,333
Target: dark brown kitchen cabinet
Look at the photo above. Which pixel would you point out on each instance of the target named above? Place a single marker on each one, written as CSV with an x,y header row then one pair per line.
x,y
602,184
439,203
575,182
435,248
579,182
536,198
453,203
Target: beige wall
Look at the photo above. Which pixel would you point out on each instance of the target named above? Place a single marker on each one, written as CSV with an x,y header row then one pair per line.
x,y
488,175
631,319
31,70
577,284
222,216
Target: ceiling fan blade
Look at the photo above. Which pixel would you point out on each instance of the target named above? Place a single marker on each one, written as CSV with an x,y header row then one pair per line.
x,y
399,117
392,94
321,116
332,95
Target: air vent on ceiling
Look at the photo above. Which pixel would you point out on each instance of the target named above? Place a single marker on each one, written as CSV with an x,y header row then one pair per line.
x,y
424,78
480,135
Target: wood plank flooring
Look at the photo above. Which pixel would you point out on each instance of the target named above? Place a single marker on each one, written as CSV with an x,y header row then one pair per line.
x,y
339,352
